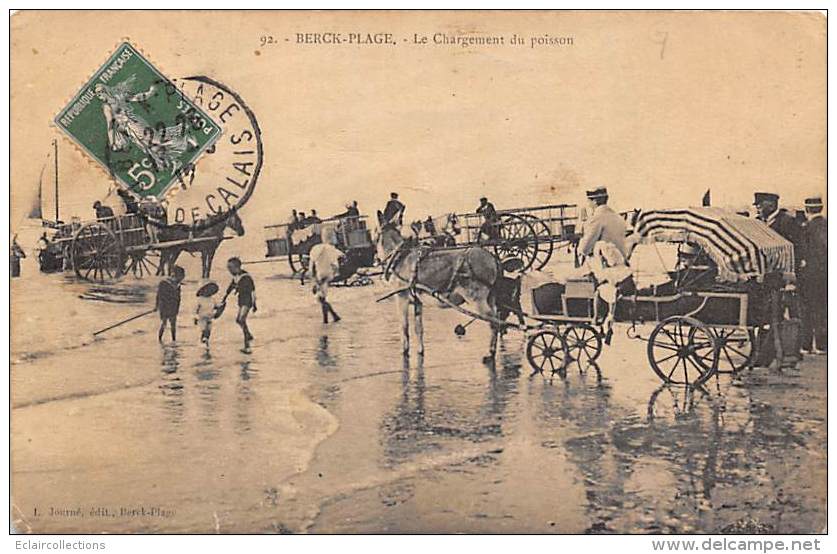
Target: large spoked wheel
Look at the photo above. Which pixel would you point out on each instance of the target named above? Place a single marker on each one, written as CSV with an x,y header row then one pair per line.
x,y
547,351
142,263
545,244
583,342
675,345
98,254
298,262
736,349
517,240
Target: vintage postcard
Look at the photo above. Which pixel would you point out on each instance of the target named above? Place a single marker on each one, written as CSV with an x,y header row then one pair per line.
x,y
365,272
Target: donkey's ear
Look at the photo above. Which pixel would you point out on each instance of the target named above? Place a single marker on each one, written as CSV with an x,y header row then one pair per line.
x,y
380,217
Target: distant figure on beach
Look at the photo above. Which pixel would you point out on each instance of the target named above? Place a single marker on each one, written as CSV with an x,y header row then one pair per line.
x,y
102,211
168,302
813,278
491,221
15,255
394,211
155,215
242,284
131,204
207,310
351,210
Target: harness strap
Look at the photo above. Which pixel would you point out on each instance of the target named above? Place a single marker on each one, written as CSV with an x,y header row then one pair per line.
x,y
422,253
460,261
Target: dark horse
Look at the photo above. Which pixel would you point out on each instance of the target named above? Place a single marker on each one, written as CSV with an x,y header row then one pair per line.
x,y
204,240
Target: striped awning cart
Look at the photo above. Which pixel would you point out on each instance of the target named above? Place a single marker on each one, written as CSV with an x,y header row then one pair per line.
x,y
743,248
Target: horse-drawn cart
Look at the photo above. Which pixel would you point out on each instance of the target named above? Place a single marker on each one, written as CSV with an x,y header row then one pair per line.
x,y
521,238
704,317
110,248
295,240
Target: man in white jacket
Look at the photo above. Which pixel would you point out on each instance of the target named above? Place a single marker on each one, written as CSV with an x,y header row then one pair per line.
x,y
604,225
325,267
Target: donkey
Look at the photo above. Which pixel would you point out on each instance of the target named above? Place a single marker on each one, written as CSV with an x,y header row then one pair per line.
x,y
470,273
212,233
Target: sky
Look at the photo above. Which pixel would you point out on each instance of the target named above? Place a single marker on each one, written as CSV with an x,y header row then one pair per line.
x,y
658,107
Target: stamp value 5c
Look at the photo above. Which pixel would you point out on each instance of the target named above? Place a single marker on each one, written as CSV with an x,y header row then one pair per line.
x,y
137,124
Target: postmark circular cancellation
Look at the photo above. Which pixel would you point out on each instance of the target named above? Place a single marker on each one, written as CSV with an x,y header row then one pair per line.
x,y
225,177
190,146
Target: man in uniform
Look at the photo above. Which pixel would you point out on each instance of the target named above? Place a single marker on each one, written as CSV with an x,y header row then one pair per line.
x,y
489,227
767,208
604,225
813,278
394,210
767,205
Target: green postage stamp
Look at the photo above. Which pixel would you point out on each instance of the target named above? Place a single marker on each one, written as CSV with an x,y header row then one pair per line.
x,y
137,124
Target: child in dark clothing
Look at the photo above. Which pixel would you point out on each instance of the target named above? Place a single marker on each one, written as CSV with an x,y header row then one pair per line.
x,y
168,302
242,284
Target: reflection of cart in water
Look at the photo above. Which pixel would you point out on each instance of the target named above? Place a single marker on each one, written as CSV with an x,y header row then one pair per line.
x,y
704,317
295,240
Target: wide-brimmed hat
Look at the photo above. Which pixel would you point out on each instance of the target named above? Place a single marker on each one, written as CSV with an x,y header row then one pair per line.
x,y
208,289
598,192
760,197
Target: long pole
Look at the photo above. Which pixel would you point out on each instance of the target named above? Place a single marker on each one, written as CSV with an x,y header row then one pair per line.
x,y
115,325
55,146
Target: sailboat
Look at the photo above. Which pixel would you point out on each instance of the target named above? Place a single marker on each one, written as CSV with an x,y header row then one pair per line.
x,y
36,210
50,256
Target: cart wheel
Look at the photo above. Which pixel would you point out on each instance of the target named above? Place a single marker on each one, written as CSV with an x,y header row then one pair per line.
x,y
97,253
518,240
546,349
142,264
675,344
545,244
736,349
298,262
583,341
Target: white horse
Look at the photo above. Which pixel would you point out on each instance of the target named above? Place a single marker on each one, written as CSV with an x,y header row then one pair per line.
x,y
471,273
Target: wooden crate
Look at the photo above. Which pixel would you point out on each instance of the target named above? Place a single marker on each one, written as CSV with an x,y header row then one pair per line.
x,y
277,247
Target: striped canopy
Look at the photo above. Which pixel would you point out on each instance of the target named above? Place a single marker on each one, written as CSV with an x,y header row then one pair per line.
x,y
743,248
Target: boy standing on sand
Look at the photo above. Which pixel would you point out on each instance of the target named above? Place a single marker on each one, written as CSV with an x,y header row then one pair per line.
x,y
242,284
168,302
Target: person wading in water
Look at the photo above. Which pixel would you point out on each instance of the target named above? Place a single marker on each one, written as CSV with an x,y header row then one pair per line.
x,y
168,302
242,284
